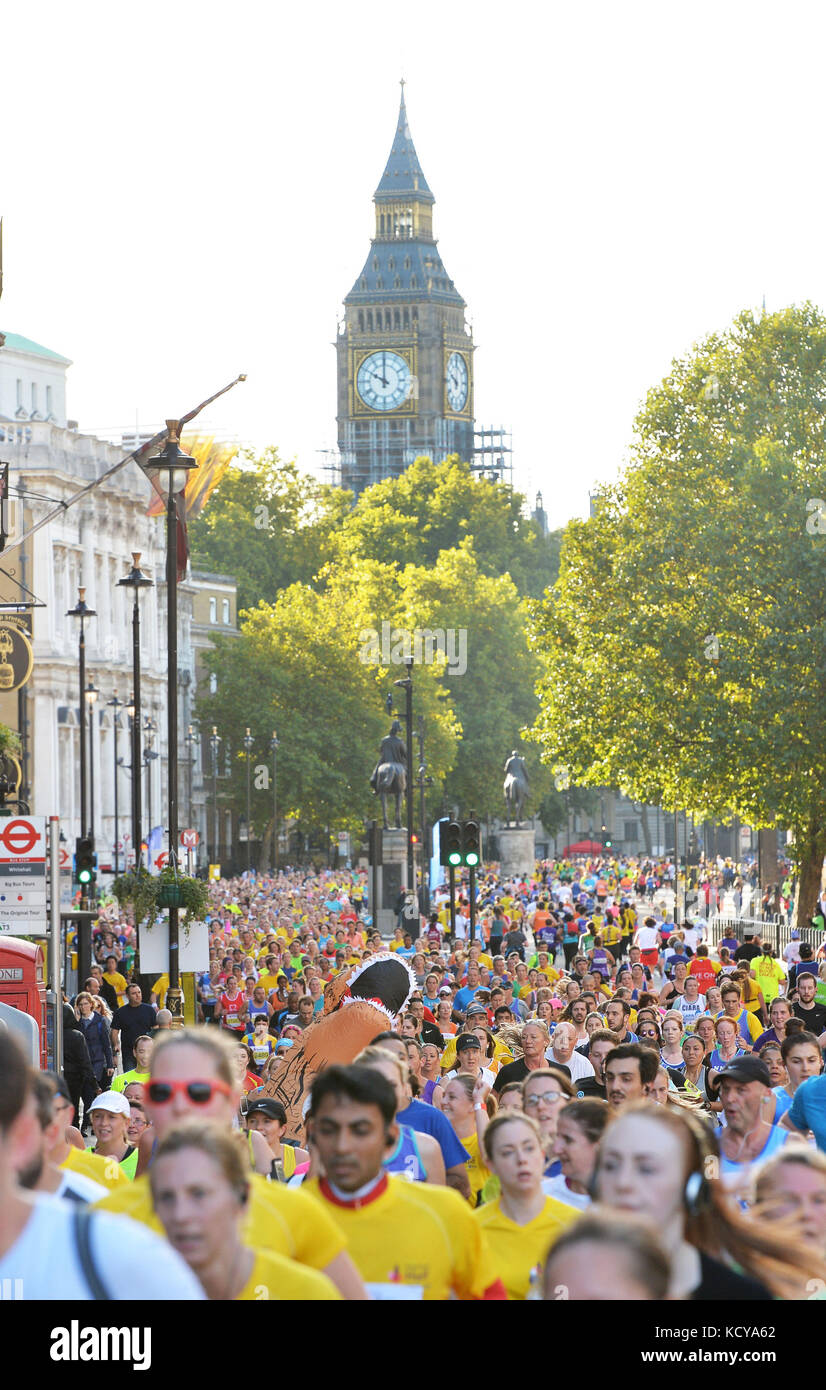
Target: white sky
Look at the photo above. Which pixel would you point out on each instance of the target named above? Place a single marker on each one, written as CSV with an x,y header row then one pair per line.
x,y
187,188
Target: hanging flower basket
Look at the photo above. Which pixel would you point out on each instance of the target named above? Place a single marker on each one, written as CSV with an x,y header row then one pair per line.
x,y
148,893
170,895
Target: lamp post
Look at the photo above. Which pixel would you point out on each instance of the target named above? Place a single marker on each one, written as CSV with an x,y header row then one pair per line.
x,y
173,467
274,751
91,692
150,729
136,580
190,741
116,705
407,686
249,744
215,744
422,782
81,612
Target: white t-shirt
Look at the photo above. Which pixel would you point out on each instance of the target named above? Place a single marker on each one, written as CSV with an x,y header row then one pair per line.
x,y
78,1187
647,938
561,1192
487,1075
691,1009
132,1262
577,1064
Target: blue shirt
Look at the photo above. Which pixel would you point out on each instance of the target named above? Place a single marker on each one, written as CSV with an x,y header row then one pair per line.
x,y
808,1108
428,1120
464,997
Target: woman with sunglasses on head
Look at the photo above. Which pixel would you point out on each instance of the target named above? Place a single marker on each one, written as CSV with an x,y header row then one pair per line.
x,y
192,1076
201,1193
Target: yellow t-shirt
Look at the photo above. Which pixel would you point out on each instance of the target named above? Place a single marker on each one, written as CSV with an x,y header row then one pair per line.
x,y
269,981
416,1234
159,989
119,1083
478,1171
275,1278
106,1171
448,1057
118,984
278,1218
769,973
517,1250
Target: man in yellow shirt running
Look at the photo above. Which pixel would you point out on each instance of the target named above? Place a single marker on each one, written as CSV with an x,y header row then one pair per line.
x,y
397,1232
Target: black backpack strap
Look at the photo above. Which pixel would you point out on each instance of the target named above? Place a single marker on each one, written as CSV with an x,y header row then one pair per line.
x,y
83,1239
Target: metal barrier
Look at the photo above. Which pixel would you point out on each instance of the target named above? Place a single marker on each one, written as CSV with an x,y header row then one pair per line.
x,y
775,929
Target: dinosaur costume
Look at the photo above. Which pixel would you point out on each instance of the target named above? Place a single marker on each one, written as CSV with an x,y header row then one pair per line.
x,y
358,1004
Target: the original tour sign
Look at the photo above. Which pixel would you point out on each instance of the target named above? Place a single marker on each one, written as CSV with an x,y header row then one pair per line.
x,y
16,656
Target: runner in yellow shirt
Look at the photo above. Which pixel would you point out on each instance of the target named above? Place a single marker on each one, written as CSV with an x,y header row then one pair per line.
x,y
521,1223
200,1190
397,1232
193,1074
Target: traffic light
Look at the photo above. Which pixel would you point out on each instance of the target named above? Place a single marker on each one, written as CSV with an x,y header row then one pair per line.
x,y
450,843
85,861
471,844
607,838
374,844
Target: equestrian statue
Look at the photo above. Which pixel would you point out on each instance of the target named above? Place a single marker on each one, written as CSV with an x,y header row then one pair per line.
x,y
390,773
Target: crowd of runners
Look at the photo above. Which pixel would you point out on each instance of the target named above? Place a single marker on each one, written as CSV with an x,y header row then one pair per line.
x,y
582,1102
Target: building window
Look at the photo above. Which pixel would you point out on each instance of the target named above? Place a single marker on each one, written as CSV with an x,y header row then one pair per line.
x,y
48,400
213,610
396,319
363,282
391,264
225,611
407,318
413,282
407,262
34,397
631,831
379,283
361,320
19,393
397,283
375,262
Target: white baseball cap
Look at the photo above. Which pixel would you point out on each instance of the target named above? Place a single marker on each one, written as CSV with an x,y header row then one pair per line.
x,y
113,1101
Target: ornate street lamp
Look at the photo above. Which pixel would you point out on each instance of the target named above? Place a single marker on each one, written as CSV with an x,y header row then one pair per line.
x,y
136,580
116,705
249,744
81,612
274,751
173,467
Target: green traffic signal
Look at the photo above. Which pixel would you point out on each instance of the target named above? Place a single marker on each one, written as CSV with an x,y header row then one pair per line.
x,y
454,858
472,858
84,876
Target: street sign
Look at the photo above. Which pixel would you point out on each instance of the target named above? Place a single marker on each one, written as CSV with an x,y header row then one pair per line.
x,y
190,839
23,875
65,859
160,862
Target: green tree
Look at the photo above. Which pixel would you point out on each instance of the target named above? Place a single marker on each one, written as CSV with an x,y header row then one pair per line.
x,y
297,668
684,646
494,698
434,507
268,525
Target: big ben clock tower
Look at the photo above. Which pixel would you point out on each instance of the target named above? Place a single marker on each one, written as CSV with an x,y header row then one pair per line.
x,y
405,355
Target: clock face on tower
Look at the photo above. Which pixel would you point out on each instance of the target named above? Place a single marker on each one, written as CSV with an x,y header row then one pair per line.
x,y
456,381
384,380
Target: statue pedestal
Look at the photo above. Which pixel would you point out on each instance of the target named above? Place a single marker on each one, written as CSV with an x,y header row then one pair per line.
x,y
392,879
517,853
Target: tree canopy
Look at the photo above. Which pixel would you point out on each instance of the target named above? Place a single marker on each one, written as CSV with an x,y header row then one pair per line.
x,y
683,648
438,550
